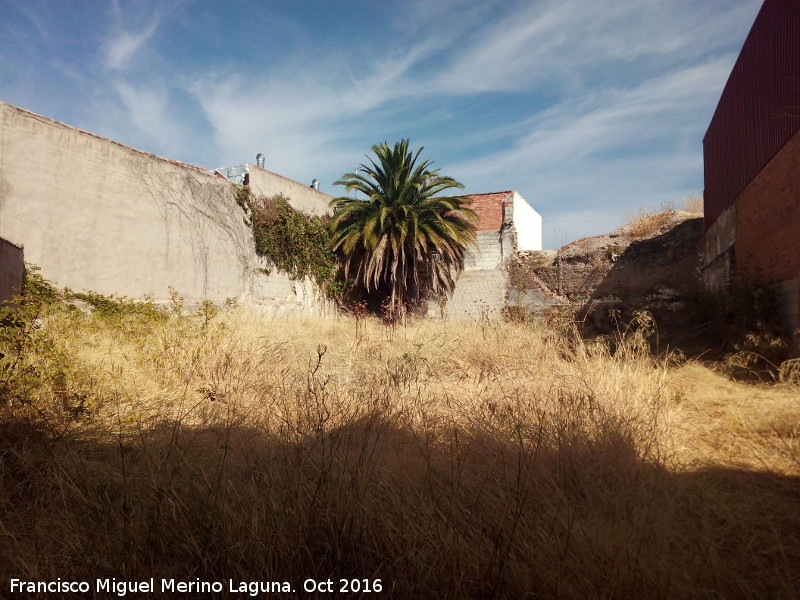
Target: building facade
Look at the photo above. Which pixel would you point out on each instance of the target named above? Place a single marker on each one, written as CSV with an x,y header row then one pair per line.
x,y
506,224
751,157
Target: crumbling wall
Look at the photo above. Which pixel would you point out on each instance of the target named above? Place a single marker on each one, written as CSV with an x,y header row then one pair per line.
x,y
506,224
640,264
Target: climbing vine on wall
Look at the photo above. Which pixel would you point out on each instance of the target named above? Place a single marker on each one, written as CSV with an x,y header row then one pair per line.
x,y
291,241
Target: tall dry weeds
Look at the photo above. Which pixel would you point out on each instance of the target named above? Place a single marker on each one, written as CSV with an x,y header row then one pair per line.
x,y
644,221
448,459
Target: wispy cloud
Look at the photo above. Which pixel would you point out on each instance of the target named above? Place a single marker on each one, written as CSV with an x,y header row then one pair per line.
x,y
617,141
615,148
594,105
122,47
34,15
132,27
610,120
563,45
148,109
300,117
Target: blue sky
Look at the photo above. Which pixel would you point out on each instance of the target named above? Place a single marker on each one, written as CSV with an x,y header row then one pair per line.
x,y
588,108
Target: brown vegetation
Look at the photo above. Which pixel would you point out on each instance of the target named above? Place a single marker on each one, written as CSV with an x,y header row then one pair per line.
x,y
645,221
461,460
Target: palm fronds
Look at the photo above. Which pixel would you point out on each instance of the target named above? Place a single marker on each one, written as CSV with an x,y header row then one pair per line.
x,y
400,236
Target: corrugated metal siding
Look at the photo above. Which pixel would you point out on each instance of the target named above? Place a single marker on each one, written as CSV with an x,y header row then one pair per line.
x,y
759,109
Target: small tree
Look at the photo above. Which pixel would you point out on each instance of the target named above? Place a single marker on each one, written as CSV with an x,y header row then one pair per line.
x,y
401,242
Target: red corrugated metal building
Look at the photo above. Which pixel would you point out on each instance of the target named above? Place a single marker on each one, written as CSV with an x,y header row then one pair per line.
x,y
752,163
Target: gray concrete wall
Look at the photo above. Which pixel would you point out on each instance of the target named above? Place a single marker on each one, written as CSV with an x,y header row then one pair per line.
x,y
12,269
479,294
719,244
95,214
488,254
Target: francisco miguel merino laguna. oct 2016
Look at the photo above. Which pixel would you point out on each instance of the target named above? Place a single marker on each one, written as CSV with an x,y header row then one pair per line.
x,y
122,588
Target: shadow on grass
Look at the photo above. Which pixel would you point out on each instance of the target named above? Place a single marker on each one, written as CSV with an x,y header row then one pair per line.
x,y
554,510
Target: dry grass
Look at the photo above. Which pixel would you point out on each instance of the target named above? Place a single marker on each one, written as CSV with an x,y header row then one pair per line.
x,y
448,459
642,223
693,204
645,221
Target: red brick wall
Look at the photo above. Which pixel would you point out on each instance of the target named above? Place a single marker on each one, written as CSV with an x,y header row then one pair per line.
x,y
768,226
768,219
489,208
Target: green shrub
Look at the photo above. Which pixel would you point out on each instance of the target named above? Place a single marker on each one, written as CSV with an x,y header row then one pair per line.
x,y
118,306
293,242
36,289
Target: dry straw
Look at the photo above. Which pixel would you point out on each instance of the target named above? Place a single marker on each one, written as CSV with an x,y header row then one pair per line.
x,y
448,459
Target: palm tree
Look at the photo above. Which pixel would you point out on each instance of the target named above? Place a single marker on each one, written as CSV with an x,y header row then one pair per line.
x,y
402,243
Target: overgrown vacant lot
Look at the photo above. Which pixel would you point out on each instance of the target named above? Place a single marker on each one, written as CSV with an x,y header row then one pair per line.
x,y
447,459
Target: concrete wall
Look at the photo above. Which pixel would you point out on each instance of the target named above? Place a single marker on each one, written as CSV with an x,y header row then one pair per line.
x,y
719,250
95,214
506,224
479,294
788,292
12,269
302,197
488,253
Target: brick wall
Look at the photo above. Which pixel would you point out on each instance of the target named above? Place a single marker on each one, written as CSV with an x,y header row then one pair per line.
x,y
489,208
768,222
768,218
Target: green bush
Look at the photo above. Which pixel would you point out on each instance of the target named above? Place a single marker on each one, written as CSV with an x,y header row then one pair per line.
x,y
293,242
118,306
36,289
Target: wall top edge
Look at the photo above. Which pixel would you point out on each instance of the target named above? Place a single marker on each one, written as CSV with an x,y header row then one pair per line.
x,y
7,241
58,124
251,167
53,123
